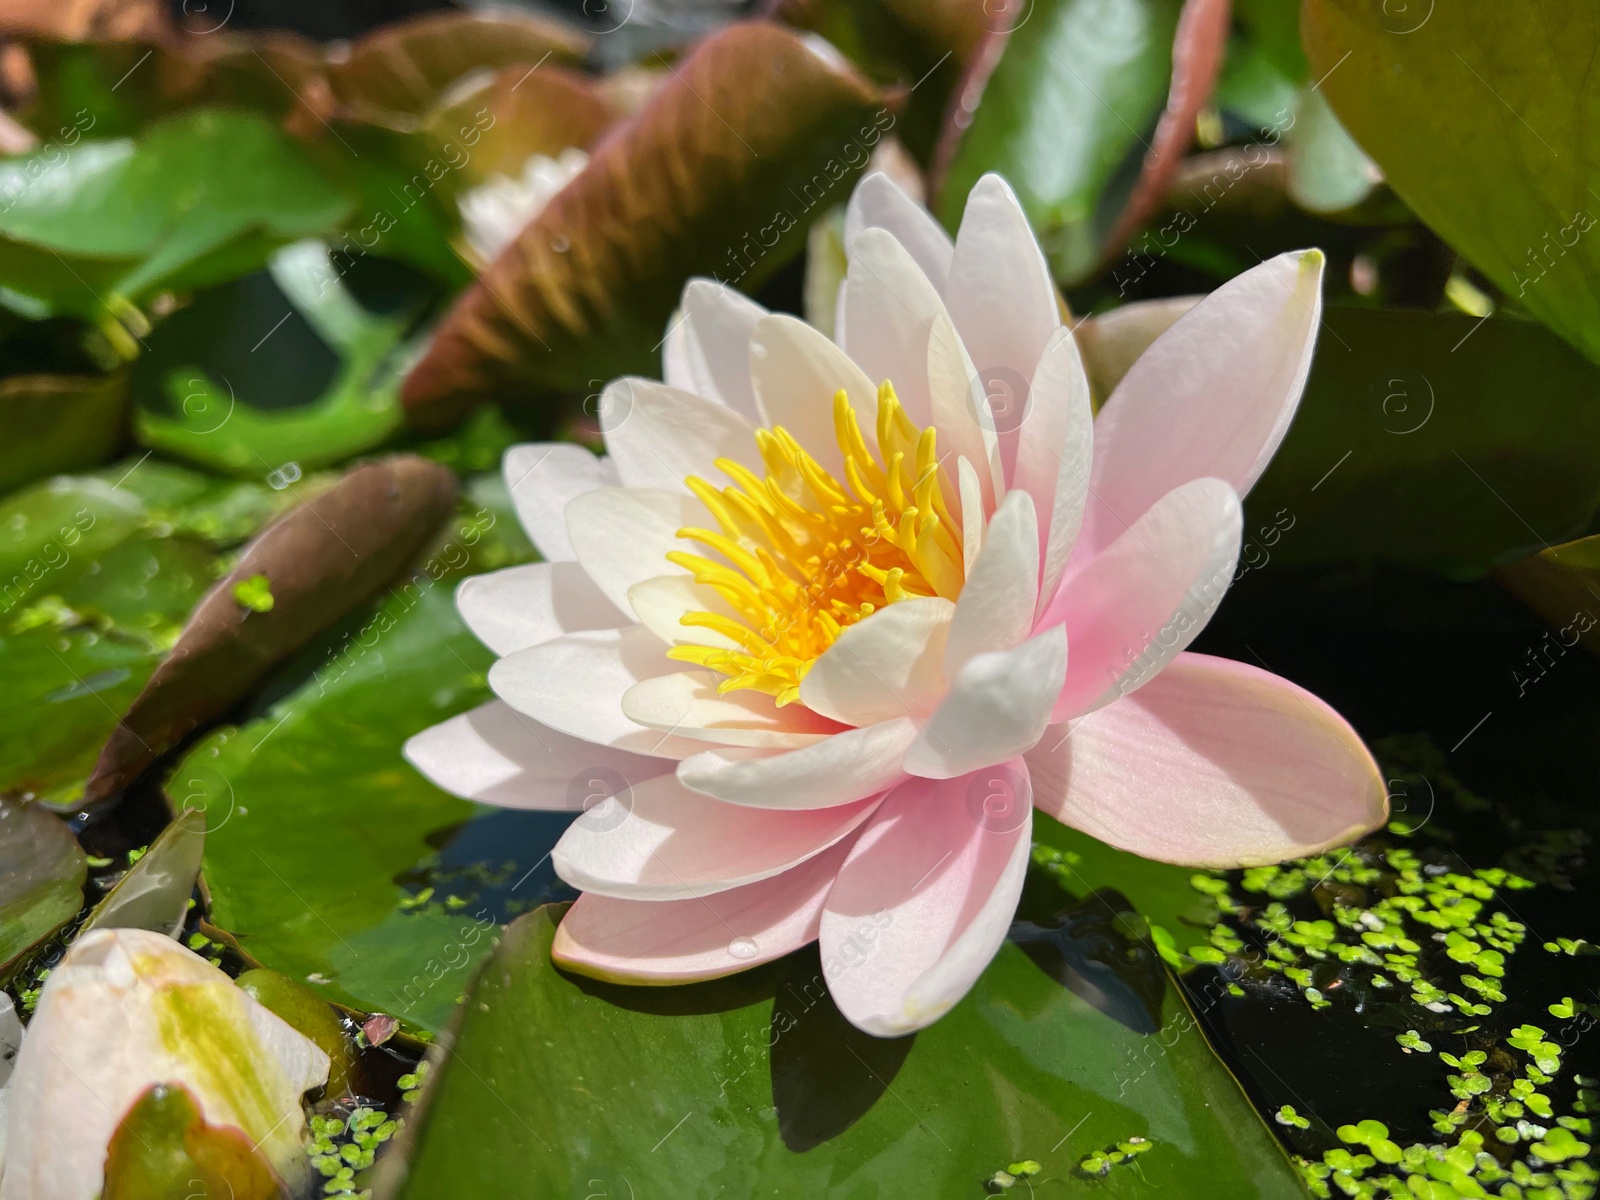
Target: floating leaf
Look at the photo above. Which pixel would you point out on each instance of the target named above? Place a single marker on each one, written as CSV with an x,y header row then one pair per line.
x,y
323,559
757,132
302,1009
42,870
51,424
757,1085
1508,179
1406,449
1560,584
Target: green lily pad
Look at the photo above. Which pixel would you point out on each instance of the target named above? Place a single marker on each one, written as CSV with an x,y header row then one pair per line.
x,y
50,424
1433,440
1078,88
328,858
98,220
42,870
754,1085
227,410
1483,126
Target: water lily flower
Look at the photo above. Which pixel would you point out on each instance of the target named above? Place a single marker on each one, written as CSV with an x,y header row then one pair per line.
x,y
831,619
126,1009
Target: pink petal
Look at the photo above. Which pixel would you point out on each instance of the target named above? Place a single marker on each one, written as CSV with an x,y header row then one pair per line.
x,y
1001,298
1130,609
717,324
1214,764
499,756
658,435
997,707
661,841
542,477
889,665
519,607
838,770
575,684
879,201
679,941
1213,396
926,898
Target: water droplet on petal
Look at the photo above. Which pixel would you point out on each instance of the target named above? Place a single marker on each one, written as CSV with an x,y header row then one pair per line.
x,y
743,947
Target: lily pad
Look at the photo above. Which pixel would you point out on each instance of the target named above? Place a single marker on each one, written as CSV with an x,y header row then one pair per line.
x,y
1421,440
332,861
755,1085
51,424
1508,179
164,1149
42,870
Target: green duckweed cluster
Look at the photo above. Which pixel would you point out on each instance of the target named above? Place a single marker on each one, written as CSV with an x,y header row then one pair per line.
x,y
341,1146
1097,1164
1428,930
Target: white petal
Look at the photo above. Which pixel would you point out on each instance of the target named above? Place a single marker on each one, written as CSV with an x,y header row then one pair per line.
x,y
680,941
796,372
973,514
575,685
1130,609
998,707
661,841
675,369
718,322
542,478
658,436
1000,296
622,535
961,409
924,901
499,756
661,604
687,704
519,607
847,766
995,610
1213,397
879,201
1055,452
889,665
889,311
1215,764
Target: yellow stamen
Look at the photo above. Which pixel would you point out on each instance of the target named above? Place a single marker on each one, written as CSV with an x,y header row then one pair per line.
x,y
806,556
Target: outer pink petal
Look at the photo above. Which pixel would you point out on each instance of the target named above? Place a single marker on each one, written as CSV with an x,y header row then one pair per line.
x,y
1130,609
661,841
519,607
925,899
1213,396
679,941
542,477
495,754
1214,764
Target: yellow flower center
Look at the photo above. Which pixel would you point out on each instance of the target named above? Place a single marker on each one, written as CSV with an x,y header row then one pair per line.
x,y
807,556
